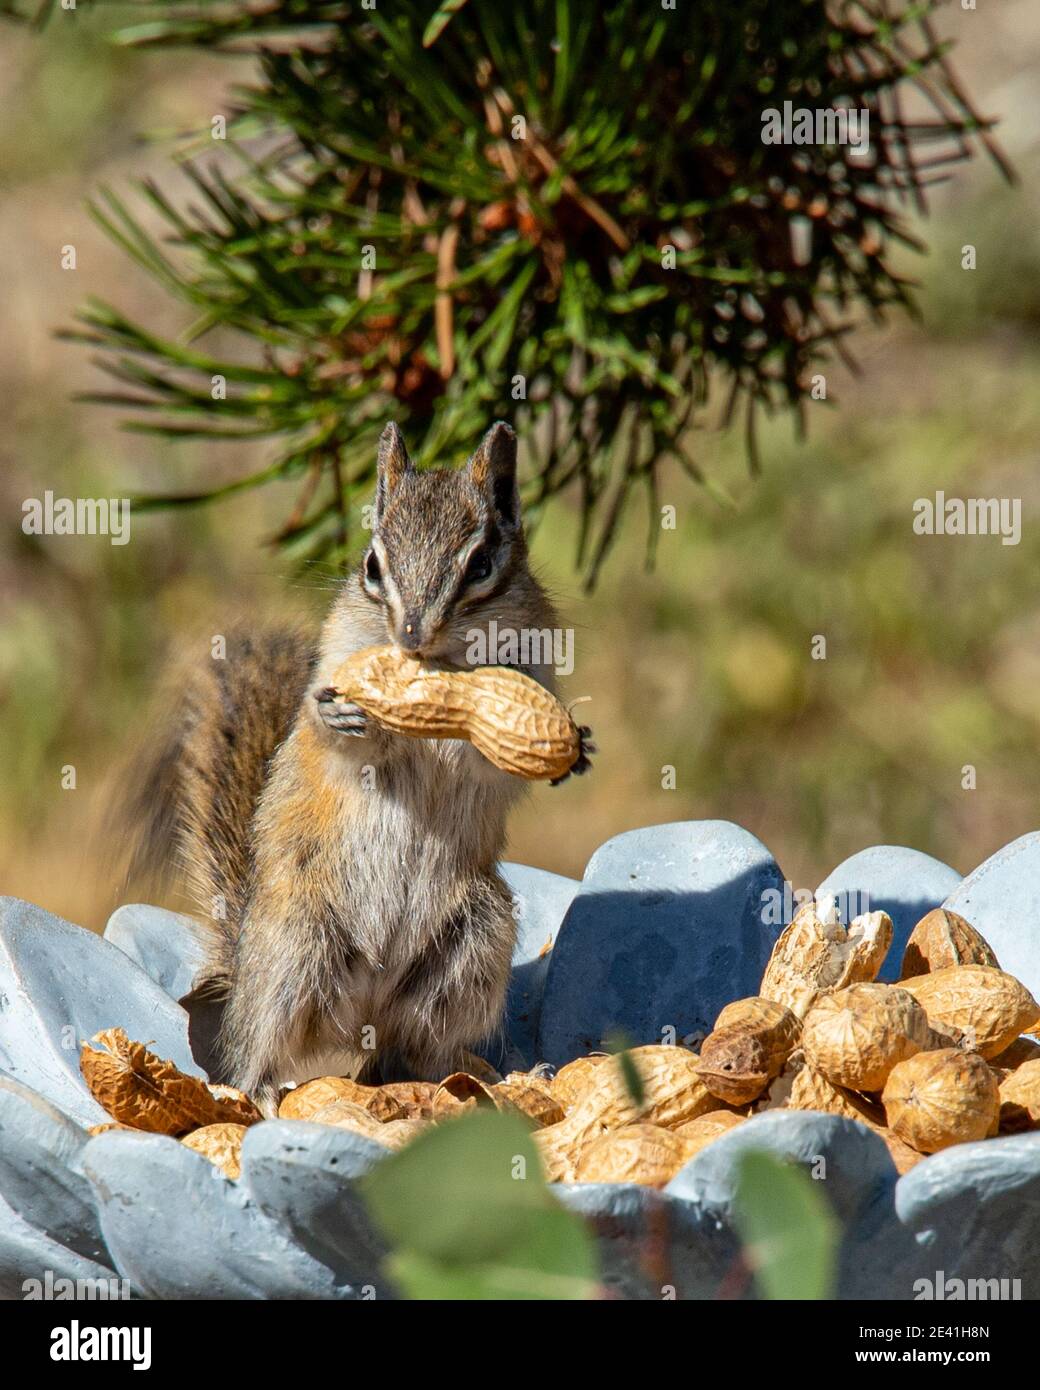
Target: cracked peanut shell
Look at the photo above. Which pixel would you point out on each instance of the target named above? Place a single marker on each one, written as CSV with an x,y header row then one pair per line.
x,y
814,954
148,1093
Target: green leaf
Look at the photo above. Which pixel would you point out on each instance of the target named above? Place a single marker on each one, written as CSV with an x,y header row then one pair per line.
x,y
549,1256
465,1207
789,1232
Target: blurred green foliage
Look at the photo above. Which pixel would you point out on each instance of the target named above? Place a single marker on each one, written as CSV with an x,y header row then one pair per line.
x,y
789,1233
468,1216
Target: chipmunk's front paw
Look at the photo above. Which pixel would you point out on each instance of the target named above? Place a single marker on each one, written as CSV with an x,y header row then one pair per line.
x,y
583,761
339,716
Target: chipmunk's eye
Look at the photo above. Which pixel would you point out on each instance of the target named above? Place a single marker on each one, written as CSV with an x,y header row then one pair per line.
x,y
479,566
372,571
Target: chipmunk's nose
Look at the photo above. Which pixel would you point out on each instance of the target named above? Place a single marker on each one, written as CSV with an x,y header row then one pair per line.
x,y
410,638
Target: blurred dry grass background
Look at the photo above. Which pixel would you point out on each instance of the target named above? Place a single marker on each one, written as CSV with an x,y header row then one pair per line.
x,y
933,643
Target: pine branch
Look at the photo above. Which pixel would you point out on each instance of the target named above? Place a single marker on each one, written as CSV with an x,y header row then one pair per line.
x,y
382,237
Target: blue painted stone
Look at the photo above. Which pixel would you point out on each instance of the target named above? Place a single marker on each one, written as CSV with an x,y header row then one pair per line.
x,y
855,1173
304,1177
27,1253
61,984
622,1217
975,1212
177,1228
168,946
40,1173
542,900
666,929
890,878
1001,899
856,1164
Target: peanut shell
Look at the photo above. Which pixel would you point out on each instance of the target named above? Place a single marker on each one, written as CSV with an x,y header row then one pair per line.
x,y
574,1078
534,1103
461,1092
705,1129
814,954
221,1144
804,1088
515,722
148,1093
940,939
748,1047
937,1099
903,1156
988,1006
672,1093
855,1036
1020,1099
347,1114
645,1154
1021,1050
402,1100
304,1101
540,1078
476,1066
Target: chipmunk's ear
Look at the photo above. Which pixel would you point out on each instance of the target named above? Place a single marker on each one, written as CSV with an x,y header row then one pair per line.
x,y
391,466
493,469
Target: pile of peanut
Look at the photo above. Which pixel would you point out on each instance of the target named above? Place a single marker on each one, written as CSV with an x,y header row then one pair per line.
x,y
935,1060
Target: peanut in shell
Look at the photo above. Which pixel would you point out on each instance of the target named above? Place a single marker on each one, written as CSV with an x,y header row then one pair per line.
x,y
748,1047
855,1036
801,1087
937,1099
672,1092
645,1154
902,1155
512,720
989,1007
1020,1099
574,1078
705,1129
943,938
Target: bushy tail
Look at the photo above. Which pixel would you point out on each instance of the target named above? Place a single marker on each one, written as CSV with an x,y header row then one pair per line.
x,y
196,783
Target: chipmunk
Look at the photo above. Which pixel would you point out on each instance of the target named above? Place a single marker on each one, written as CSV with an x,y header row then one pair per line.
x,y
365,928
